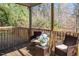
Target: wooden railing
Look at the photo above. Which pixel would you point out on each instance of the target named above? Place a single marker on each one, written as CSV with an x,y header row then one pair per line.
x,y
12,36
60,35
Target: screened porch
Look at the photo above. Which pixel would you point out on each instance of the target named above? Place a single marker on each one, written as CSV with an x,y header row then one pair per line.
x,y
52,19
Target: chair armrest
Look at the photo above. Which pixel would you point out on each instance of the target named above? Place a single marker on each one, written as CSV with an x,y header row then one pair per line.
x,y
72,50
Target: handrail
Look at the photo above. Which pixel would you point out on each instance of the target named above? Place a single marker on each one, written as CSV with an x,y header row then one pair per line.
x,y
11,27
40,29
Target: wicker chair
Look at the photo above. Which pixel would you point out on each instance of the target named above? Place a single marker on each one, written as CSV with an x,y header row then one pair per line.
x,y
68,47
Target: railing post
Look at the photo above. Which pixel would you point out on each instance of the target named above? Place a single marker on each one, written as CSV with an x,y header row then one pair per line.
x,y
51,41
30,22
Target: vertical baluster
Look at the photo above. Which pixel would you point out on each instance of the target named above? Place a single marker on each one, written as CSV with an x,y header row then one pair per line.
x,y
26,30
63,34
4,39
13,37
24,33
19,38
26,36
7,39
0,39
18,35
56,36
22,38
60,35
10,36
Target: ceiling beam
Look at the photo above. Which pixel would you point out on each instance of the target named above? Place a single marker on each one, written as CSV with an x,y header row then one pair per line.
x,y
29,5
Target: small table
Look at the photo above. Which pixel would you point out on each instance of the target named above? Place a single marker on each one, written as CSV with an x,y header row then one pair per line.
x,y
41,51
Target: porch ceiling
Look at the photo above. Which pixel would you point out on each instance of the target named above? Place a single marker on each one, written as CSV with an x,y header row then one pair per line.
x,y
29,4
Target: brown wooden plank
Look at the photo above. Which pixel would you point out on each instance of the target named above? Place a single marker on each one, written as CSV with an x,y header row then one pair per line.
x,y
20,52
24,52
17,53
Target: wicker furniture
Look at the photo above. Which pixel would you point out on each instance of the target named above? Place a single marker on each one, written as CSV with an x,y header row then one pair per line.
x,y
68,47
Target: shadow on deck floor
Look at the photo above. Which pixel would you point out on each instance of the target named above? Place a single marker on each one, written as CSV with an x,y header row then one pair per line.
x,y
20,50
16,51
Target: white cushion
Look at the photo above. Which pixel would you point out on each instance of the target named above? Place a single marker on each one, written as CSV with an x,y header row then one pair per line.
x,y
62,46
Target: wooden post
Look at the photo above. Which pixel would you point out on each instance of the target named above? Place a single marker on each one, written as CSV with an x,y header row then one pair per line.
x,y
52,16
30,22
78,46
78,34
51,34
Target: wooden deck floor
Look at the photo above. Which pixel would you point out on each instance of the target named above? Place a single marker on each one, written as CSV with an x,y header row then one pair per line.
x,y
19,51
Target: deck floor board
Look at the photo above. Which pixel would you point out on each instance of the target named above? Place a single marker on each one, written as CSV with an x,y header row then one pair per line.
x,y
21,51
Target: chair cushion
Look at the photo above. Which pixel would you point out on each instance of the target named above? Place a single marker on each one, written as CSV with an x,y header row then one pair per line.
x,y
37,33
62,47
70,40
61,50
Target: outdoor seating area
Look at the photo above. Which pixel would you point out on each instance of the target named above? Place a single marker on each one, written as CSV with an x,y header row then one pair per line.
x,y
38,41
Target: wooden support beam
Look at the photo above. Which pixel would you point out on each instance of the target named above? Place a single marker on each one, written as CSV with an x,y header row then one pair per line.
x,y
30,22
52,16
29,5
51,33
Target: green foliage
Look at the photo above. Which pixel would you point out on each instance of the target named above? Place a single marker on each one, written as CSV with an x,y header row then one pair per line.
x,y
14,15
57,24
18,15
41,16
